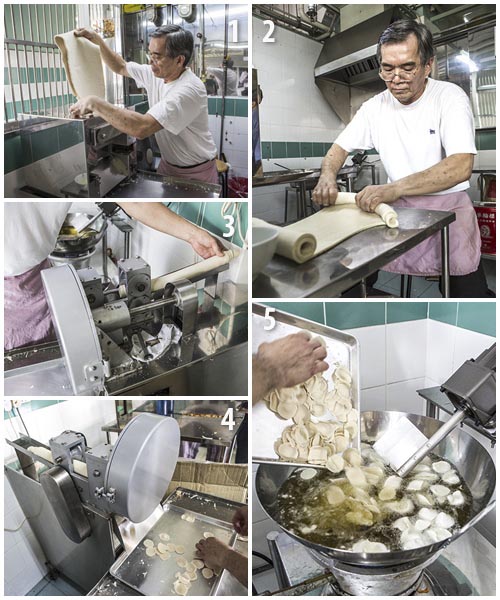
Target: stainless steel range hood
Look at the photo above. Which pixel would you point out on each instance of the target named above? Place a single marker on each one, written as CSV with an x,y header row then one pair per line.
x,y
347,68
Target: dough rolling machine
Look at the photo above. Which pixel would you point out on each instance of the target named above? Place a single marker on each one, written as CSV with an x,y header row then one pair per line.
x,y
141,336
102,162
90,508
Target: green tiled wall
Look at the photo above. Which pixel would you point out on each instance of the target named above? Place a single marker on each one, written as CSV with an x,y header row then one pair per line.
x,y
21,150
485,140
474,316
208,215
235,107
47,20
348,315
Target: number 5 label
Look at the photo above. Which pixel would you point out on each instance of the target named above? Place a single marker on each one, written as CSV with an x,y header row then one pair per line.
x,y
271,321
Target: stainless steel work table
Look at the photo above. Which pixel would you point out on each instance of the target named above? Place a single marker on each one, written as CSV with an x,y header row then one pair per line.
x,y
337,270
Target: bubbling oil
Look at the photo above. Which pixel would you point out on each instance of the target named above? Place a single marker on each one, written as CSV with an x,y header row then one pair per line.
x,y
304,510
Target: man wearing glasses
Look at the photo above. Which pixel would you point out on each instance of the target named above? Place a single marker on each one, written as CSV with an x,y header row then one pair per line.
x,y
423,131
178,113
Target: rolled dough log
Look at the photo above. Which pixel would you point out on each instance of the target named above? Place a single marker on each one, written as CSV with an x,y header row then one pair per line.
x,y
386,213
83,65
195,270
318,233
42,452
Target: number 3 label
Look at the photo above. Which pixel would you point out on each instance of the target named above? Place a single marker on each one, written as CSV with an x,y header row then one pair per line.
x,y
228,419
229,225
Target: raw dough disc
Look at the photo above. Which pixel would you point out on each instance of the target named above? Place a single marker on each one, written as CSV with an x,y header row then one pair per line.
x,y
148,543
171,547
179,549
199,564
150,550
181,561
208,534
165,555
164,537
207,573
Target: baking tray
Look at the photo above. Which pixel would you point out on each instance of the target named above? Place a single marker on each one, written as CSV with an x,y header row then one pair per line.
x,y
152,576
341,348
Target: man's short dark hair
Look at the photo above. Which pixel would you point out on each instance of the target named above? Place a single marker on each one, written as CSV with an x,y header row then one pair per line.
x,y
399,32
179,42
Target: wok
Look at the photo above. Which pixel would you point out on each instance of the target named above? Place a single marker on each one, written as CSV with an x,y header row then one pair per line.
x,y
469,457
78,243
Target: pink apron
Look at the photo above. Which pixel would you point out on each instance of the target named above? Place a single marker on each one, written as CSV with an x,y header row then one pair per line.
x,y
465,239
207,172
26,313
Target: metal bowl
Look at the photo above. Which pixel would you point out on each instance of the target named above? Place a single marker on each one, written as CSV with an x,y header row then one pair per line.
x,y
469,457
79,243
264,242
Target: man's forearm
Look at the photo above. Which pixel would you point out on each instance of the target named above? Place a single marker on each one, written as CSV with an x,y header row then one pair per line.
x,y
449,172
126,121
157,216
333,161
111,59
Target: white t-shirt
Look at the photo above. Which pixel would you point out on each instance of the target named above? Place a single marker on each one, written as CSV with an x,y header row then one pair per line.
x,y
414,137
181,108
30,233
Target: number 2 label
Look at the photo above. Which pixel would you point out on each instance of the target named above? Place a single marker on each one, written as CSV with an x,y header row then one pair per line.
x,y
267,38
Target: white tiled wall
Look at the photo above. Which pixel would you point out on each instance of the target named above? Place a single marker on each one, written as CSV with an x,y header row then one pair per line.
x,y
235,145
24,558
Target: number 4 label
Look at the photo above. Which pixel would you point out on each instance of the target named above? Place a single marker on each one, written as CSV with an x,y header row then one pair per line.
x,y
228,419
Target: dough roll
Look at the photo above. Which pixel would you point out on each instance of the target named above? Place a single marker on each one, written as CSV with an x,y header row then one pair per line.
x,y
83,65
298,246
386,213
199,268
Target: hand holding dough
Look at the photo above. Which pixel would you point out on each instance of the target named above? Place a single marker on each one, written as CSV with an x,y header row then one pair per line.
x,y
386,213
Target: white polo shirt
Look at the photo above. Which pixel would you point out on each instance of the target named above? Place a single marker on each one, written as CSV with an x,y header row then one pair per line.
x,y
181,108
412,138
30,233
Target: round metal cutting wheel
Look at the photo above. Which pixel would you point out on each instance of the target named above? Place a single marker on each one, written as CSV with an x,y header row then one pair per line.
x,y
141,465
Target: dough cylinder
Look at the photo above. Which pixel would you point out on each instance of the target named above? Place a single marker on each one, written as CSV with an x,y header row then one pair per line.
x,y
195,270
299,247
385,212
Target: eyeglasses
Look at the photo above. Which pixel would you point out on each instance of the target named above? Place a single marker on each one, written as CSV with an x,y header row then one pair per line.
x,y
404,73
154,57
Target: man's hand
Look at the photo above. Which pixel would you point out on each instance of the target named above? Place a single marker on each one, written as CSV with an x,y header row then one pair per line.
x,y
90,34
84,106
326,191
240,520
204,244
213,552
291,360
372,195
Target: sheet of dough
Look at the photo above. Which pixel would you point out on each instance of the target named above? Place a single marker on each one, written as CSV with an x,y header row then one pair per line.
x,y
318,233
386,213
83,65
195,270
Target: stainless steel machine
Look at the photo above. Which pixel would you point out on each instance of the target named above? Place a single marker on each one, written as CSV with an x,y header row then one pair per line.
x,y
100,162
75,497
91,509
136,336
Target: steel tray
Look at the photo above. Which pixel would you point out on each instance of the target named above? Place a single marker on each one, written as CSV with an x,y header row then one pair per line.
x,y
341,347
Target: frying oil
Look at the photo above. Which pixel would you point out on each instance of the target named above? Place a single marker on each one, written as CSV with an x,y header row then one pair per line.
x,y
304,510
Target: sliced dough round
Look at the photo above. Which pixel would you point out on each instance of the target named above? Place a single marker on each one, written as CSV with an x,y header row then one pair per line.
x,y
387,493
450,478
164,537
180,588
308,473
342,374
287,451
441,467
150,550
179,549
353,457
208,534
335,463
162,547
456,499
148,543
199,564
192,575
439,490
165,555
171,547
335,495
181,561
207,573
